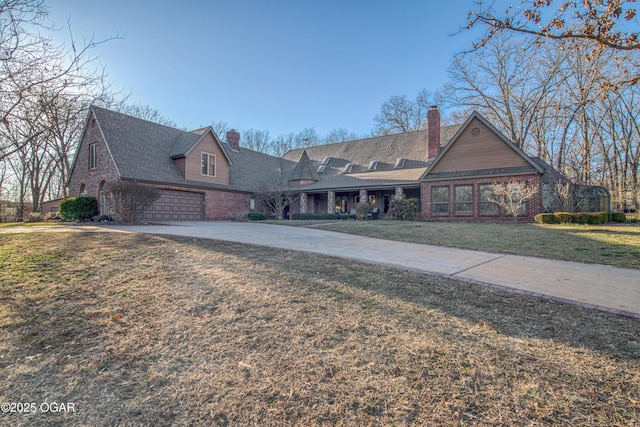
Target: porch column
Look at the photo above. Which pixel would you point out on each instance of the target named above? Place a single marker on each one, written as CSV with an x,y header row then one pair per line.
x,y
303,202
399,193
363,196
331,202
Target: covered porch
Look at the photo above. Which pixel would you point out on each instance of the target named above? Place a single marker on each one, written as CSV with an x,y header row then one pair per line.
x,y
344,201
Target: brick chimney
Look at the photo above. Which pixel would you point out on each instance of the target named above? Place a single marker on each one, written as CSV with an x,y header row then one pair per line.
x,y
233,139
433,126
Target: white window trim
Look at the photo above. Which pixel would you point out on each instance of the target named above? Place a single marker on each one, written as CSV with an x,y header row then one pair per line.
x,y
215,166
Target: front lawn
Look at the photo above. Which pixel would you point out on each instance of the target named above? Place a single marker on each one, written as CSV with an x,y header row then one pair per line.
x,y
148,330
617,245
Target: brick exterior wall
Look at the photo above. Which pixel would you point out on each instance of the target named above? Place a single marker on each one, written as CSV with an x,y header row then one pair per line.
x,y
535,203
218,205
91,178
222,205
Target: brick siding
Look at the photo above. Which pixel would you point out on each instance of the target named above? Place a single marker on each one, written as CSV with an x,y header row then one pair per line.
x,y
535,203
91,178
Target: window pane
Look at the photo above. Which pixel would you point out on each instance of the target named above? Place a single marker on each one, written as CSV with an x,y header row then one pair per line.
x,y
212,165
205,163
440,194
487,206
440,200
464,199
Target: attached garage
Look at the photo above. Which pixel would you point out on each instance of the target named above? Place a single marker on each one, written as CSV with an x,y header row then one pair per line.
x,y
176,205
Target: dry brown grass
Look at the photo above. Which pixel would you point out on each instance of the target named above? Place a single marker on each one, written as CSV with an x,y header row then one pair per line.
x,y
142,330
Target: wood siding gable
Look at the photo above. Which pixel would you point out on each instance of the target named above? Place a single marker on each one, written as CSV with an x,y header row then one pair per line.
x,y
479,147
208,143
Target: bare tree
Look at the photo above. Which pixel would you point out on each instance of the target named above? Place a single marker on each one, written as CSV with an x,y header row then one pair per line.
x,y
256,140
513,196
610,25
400,114
339,135
220,128
130,199
34,71
510,86
146,112
276,196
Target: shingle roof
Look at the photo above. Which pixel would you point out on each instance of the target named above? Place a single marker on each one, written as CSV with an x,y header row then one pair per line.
x,y
304,169
413,146
144,151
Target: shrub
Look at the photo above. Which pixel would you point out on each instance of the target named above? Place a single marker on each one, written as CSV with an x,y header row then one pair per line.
x,y
404,209
255,216
362,210
617,217
130,199
34,217
545,218
563,217
314,216
78,208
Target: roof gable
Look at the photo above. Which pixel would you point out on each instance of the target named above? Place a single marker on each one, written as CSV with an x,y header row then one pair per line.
x,y
478,147
187,141
304,169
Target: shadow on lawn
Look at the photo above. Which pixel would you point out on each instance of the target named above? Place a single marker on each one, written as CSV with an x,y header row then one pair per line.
x,y
510,314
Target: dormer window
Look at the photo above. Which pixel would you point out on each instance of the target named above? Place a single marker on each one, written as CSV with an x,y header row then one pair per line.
x,y
373,165
208,164
321,168
400,163
326,160
347,168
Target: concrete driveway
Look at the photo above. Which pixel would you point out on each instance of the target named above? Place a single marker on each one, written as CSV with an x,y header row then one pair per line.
x,y
606,288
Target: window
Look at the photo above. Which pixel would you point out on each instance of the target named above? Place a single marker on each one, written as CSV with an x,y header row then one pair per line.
x,y
464,200
93,156
400,163
440,200
326,160
321,168
372,201
347,168
487,205
208,164
373,165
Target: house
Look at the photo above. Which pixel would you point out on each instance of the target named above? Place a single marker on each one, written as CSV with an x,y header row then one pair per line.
x,y
450,169
200,177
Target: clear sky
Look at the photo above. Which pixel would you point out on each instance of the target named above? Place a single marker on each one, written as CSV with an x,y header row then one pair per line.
x,y
276,65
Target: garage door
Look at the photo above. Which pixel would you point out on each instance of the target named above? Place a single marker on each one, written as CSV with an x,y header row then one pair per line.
x,y
174,205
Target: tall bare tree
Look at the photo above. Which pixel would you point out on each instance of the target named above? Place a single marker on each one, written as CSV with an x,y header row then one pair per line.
x,y
276,196
400,114
601,25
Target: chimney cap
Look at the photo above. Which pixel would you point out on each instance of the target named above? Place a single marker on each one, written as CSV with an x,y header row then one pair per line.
x,y
433,107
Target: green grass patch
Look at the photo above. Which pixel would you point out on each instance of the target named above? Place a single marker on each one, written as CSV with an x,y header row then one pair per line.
x,y
581,243
27,224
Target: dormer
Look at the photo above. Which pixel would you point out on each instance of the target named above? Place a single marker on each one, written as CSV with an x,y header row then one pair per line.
x,y
201,157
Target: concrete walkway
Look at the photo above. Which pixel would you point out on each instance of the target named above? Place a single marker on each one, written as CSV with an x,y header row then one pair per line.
x,y
612,289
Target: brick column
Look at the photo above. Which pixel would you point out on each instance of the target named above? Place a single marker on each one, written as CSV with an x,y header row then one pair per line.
x,y
399,193
303,202
331,202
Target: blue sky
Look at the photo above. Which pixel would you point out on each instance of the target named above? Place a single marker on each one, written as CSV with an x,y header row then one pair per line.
x,y
274,65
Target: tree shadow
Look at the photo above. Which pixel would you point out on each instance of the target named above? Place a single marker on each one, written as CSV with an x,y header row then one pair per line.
x,y
511,314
